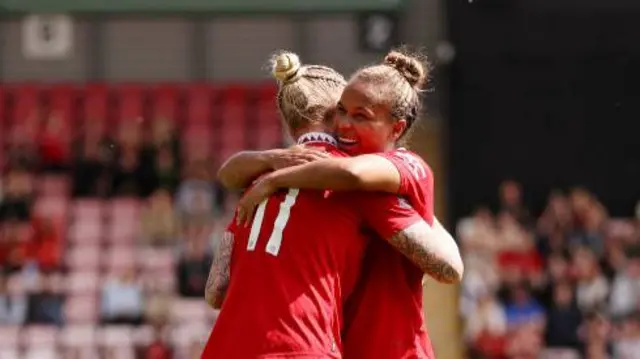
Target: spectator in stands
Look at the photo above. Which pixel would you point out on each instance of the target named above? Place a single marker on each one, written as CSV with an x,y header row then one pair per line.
x,y
523,309
22,153
14,244
593,287
13,304
45,305
164,135
597,335
159,221
511,202
54,150
167,168
627,341
132,168
158,348
625,290
18,196
45,245
122,300
487,326
564,318
193,266
195,198
92,154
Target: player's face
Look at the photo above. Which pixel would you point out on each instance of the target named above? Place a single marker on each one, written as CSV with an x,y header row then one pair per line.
x,y
363,122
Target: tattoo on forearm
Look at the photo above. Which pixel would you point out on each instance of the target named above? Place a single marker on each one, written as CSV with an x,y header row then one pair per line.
x,y
219,274
419,244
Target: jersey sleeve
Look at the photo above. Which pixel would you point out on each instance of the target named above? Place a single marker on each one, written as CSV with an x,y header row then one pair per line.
x,y
414,173
386,214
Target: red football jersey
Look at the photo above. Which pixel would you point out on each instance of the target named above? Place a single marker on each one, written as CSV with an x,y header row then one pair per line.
x,y
384,317
292,270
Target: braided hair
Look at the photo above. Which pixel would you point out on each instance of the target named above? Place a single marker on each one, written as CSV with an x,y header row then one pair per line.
x,y
306,93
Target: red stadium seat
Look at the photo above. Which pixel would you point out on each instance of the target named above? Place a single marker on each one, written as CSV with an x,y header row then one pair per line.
x,y
54,186
9,336
96,103
86,231
157,259
26,103
233,118
83,257
116,336
62,103
269,124
78,336
199,104
165,102
39,335
81,309
83,282
88,208
120,258
130,100
189,310
10,353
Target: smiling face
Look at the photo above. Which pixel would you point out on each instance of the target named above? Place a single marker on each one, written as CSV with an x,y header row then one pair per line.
x,y
363,122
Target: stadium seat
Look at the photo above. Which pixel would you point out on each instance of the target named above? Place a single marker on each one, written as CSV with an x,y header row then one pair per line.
x,y
81,309
62,102
189,310
83,257
85,231
26,102
9,336
78,336
41,352
165,102
39,336
233,118
130,100
157,259
10,353
96,103
83,283
87,208
142,335
115,336
199,104
120,257
268,118
54,186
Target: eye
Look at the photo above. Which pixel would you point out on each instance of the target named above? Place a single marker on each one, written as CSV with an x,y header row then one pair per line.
x,y
341,109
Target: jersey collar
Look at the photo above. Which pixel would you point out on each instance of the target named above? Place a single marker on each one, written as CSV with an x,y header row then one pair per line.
x,y
317,137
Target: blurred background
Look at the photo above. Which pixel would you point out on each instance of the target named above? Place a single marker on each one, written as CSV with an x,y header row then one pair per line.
x,y
114,117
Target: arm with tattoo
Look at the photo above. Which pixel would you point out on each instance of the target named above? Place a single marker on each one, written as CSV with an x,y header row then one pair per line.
x,y
432,249
219,274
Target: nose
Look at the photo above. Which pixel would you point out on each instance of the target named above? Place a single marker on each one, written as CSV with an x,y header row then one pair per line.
x,y
343,123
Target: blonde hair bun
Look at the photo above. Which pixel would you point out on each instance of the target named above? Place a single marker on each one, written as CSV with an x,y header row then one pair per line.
x,y
410,67
286,67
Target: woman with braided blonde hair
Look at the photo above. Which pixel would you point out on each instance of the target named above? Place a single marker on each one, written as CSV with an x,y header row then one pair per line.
x,y
296,264
377,108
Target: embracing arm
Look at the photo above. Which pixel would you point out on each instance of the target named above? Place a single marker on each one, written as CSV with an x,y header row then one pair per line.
x,y
219,274
364,172
239,170
432,249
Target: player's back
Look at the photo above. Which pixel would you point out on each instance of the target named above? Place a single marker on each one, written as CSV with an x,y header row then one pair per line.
x,y
291,270
384,317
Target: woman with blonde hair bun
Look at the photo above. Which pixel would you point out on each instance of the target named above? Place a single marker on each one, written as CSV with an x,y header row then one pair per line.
x,y
377,109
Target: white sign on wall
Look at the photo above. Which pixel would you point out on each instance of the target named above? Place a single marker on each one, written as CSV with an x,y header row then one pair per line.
x,y
47,37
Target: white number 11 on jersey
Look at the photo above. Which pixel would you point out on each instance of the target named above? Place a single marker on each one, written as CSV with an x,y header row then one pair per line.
x,y
275,240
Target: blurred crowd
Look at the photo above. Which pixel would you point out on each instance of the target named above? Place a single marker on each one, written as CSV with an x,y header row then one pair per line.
x,y
176,211
564,284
